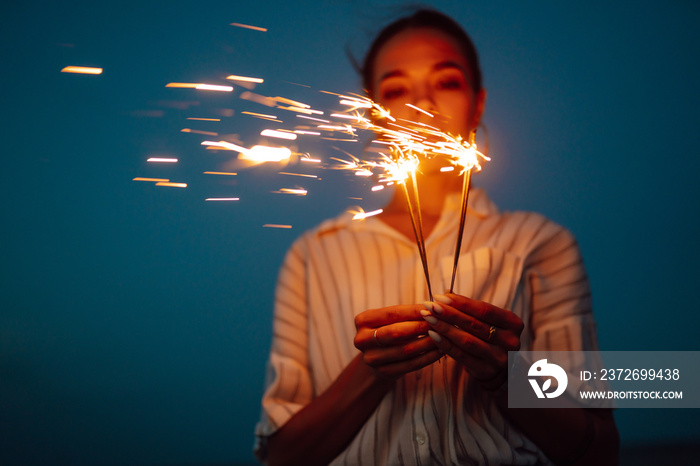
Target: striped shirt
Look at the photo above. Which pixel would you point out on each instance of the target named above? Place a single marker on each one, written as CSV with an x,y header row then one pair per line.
x,y
518,261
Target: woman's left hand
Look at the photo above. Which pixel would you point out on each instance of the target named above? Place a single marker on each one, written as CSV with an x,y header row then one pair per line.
x,y
476,334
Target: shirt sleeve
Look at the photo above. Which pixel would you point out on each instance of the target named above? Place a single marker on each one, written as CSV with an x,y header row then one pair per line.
x,y
288,385
560,295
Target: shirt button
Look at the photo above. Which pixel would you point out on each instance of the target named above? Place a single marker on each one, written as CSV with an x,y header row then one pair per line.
x,y
420,438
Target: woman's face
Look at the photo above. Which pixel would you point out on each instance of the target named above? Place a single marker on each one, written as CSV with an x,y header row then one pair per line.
x,y
426,68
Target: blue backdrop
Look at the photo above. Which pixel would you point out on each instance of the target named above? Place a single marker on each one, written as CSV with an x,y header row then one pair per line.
x,y
135,320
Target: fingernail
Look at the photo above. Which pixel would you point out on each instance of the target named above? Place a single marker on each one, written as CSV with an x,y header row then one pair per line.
x,y
441,298
435,307
434,335
429,318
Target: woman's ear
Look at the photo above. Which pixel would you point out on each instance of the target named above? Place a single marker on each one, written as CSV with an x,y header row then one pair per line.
x,y
480,104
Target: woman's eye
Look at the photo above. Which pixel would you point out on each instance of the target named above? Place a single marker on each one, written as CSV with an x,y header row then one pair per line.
x,y
449,84
393,93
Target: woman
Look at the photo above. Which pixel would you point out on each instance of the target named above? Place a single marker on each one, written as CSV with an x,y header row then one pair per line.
x,y
347,286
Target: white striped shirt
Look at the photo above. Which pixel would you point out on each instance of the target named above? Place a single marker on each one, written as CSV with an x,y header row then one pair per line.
x,y
518,261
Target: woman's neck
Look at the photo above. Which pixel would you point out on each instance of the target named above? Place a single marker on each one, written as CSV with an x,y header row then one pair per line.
x,y
433,189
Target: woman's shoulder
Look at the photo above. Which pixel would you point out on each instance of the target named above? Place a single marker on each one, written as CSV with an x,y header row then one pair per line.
x,y
528,234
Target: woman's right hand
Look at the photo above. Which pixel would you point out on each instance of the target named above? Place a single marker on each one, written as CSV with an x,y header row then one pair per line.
x,y
393,340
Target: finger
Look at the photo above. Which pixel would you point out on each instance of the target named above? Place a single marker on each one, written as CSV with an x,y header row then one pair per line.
x,y
388,315
465,341
479,368
398,369
389,355
505,338
485,312
390,335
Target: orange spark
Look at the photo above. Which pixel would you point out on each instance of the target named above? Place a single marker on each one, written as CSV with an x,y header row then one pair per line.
x,y
222,199
81,70
207,133
278,134
220,173
363,215
260,115
298,174
214,87
248,26
274,225
244,79
156,180
172,185
204,119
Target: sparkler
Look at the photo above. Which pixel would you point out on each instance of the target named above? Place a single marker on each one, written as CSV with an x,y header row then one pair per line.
x,y
401,144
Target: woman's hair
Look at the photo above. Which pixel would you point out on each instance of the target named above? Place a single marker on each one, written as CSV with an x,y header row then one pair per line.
x,y
422,18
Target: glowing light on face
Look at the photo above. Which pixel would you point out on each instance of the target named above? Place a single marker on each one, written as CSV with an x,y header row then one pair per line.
x,y
81,70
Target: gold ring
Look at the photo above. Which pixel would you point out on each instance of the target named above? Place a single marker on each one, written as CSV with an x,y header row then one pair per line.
x,y
492,332
376,340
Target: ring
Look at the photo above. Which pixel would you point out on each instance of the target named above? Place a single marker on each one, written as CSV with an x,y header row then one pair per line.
x,y
492,332
376,340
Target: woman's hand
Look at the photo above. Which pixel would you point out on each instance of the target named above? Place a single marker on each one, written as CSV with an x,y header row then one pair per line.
x,y
392,340
476,334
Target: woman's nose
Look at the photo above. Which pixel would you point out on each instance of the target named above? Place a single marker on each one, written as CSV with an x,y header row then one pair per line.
x,y
423,99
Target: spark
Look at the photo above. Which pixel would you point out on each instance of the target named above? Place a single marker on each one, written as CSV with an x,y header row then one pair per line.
x,y
310,160
364,172
248,26
447,169
225,146
258,99
161,160
306,111
356,103
204,119
213,87
265,154
156,180
260,115
81,70
197,131
298,174
172,185
312,118
363,215
420,110
275,225
183,85
312,133
379,187
221,173
278,134
294,103
244,79
222,199
296,191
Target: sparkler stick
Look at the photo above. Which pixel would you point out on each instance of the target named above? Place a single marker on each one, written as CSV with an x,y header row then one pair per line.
x,y
420,239
462,216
